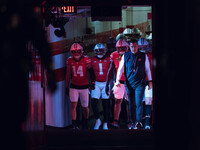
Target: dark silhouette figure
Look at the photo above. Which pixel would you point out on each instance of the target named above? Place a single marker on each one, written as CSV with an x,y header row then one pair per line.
x,y
18,26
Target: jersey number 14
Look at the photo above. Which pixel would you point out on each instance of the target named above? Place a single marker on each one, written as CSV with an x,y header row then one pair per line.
x,y
78,71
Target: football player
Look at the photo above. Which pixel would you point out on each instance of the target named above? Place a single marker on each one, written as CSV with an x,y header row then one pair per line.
x,y
128,33
101,64
78,67
111,42
119,92
144,47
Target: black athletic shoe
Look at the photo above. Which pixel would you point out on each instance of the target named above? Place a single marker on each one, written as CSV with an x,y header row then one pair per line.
x,y
86,127
130,125
74,127
115,124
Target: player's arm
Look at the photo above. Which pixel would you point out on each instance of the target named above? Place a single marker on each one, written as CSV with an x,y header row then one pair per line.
x,y
120,71
148,72
111,71
92,75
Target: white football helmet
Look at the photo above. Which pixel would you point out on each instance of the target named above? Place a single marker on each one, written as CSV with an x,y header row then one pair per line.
x,y
136,33
143,45
122,46
149,37
120,36
76,50
128,33
99,50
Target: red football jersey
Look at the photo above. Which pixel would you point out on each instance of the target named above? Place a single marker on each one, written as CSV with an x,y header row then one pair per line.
x,y
116,59
79,70
149,55
101,67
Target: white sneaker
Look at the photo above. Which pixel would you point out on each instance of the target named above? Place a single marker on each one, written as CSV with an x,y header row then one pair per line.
x,y
138,125
105,126
147,127
97,124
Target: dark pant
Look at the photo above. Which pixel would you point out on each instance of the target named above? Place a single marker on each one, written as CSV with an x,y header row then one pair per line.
x,y
135,96
105,103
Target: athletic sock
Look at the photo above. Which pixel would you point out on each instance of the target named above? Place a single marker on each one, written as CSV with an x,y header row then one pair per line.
x,y
74,122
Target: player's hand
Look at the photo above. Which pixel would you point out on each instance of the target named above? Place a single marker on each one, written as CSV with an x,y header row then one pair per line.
x,y
67,91
92,86
107,90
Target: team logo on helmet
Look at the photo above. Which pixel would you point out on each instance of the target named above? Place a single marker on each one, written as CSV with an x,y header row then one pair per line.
x,y
99,50
121,46
76,50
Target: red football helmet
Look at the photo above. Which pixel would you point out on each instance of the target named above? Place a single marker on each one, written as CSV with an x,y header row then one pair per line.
x,y
99,50
122,46
76,50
